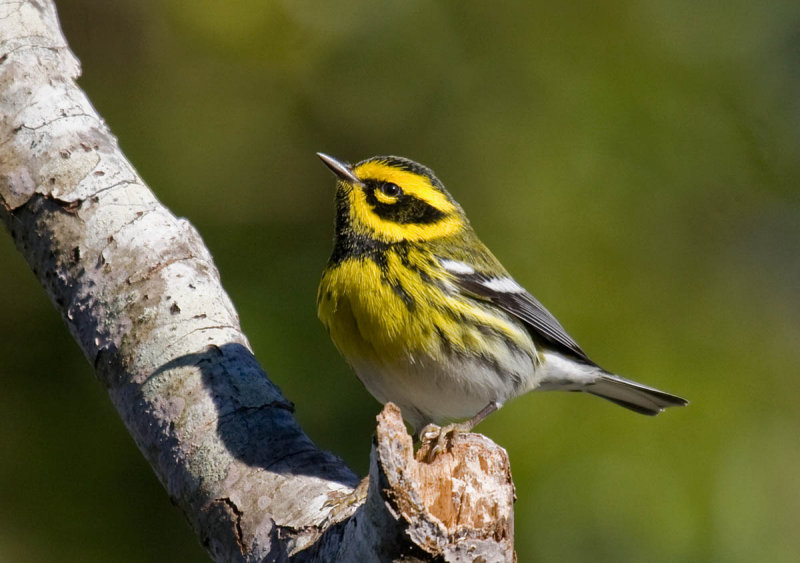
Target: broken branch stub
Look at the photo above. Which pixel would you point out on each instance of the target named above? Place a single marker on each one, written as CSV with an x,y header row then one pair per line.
x,y
458,507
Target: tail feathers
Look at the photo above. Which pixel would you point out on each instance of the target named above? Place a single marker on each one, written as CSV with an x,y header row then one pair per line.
x,y
632,395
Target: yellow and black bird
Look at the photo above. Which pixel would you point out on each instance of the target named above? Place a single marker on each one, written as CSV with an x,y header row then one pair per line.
x,y
427,316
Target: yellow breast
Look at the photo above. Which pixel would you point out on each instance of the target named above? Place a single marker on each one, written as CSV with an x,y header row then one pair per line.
x,y
382,316
366,318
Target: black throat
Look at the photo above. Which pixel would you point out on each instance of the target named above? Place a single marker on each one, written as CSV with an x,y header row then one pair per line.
x,y
352,245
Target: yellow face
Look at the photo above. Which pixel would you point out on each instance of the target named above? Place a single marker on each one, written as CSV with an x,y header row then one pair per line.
x,y
397,200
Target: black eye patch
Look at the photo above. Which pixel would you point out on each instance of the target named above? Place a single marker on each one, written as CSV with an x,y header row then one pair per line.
x,y
408,209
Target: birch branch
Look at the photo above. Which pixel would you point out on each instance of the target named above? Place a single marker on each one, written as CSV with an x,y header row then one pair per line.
x,y
141,295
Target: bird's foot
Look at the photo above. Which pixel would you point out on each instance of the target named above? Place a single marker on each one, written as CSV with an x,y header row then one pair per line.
x,y
435,440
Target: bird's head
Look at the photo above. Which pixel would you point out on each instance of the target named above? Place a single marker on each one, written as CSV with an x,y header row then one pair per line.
x,y
393,199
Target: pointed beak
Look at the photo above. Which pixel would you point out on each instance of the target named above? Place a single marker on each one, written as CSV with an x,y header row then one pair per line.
x,y
341,169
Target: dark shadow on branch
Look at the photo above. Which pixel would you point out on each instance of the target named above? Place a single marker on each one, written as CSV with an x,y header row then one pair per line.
x,y
255,422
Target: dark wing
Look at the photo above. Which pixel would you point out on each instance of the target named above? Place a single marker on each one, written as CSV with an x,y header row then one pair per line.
x,y
509,296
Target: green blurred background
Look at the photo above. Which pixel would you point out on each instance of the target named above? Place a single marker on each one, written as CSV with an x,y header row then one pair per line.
x,y
635,164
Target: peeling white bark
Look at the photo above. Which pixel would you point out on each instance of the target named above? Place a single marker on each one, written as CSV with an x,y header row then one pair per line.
x,y
141,295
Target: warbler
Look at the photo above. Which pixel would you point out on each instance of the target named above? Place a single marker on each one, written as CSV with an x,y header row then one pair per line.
x,y
429,319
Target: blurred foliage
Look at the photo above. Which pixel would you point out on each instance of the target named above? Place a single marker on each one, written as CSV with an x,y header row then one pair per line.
x,y
635,164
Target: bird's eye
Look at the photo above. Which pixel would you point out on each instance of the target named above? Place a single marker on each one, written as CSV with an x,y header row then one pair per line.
x,y
389,189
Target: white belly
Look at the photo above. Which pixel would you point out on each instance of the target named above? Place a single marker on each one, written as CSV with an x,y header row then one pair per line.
x,y
427,390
